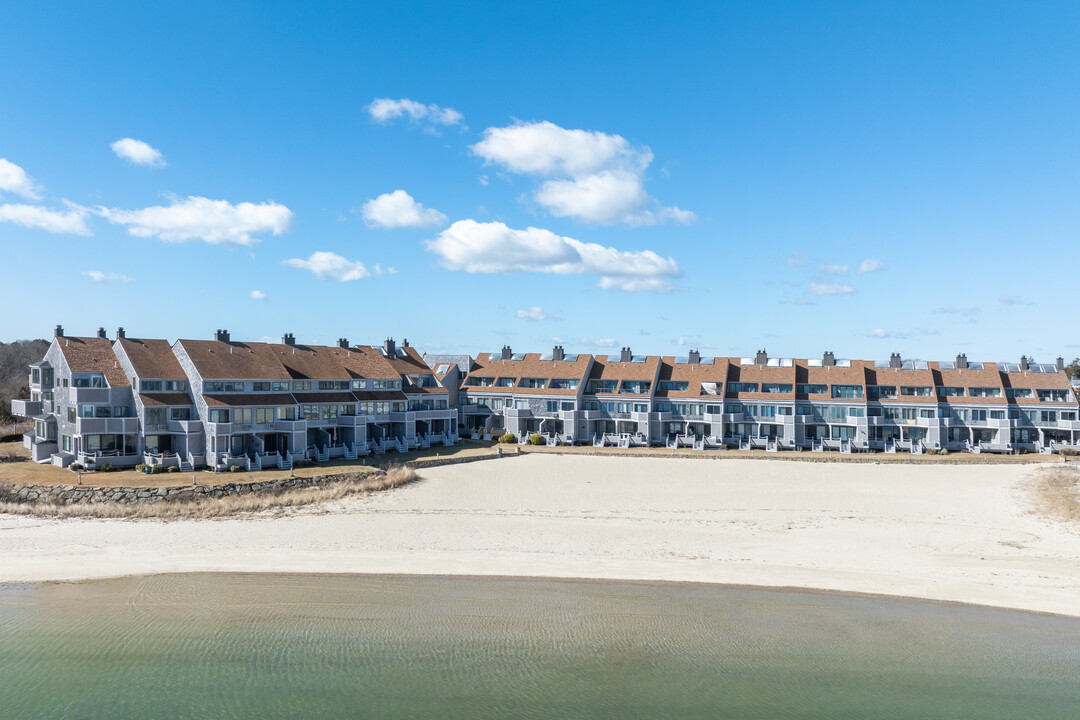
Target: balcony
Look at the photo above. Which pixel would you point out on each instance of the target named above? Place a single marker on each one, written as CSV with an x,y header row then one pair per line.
x,y
289,426
107,426
26,408
185,426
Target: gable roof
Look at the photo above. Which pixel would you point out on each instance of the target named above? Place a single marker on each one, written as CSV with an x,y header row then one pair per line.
x,y
93,355
151,358
217,360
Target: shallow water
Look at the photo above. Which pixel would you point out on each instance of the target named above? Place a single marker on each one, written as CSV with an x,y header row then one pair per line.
x,y
288,646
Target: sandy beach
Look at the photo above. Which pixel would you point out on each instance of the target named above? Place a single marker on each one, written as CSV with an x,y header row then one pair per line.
x,y
960,533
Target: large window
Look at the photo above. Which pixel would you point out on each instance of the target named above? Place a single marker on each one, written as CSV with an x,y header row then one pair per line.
x,y
563,384
947,391
776,387
811,389
602,386
387,384
180,413
301,385
264,416
218,386
1018,393
847,392
1053,395
219,415
984,392
155,416
741,387
242,416
533,383
666,385
878,392
641,387
150,386
916,390
333,384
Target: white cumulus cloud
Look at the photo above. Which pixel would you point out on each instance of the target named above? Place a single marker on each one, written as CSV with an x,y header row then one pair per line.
x,y
99,276
870,265
493,247
399,210
835,269
882,333
591,176
328,264
14,179
66,222
825,289
384,110
215,221
257,295
138,152
534,313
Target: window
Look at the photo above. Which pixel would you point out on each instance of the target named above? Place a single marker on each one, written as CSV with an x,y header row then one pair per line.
x,y
804,410
602,386
473,381
877,392
86,411
442,404
926,413
663,407
260,386
908,413
567,404
946,391
847,392
348,410
310,412
155,416
1018,393
638,387
784,410
607,407
80,382
301,385
71,414
179,413
175,385
150,386
521,405
978,415
122,411
768,411
1053,395
359,384
35,376
242,416
213,387
997,414
641,408
837,412
740,387
811,389
855,412
219,415
1048,416
386,384
984,392
669,385
873,412
505,382
264,416
623,407
891,413
286,413
1068,415
916,390
1029,415
333,384
552,405
776,387
67,443
102,411
563,384
397,406
533,383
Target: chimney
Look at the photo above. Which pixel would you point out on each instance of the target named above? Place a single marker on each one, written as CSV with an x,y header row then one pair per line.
x,y
625,355
120,333
895,361
695,357
221,336
343,343
288,339
828,359
404,342
59,332
1023,362
101,332
961,361
507,353
389,347
1060,364
762,358
557,353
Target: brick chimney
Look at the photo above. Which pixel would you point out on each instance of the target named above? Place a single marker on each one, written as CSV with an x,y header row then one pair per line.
x,y
343,343
1023,362
221,335
288,339
389,347
961,361
59,331
625,355
895,361
101,333
404,342
120,333
695,357
557,353
507,353
1060,364
828,359
762,358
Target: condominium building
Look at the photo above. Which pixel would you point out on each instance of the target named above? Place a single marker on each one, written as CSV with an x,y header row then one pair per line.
x,y
222,402
773,404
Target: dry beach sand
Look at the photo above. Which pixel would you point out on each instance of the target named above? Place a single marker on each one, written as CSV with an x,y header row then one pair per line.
x,y
963,533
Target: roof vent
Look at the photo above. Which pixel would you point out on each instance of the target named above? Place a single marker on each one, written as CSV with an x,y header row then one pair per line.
x,y
59,332
895,361
288,339
694,358
343,343
101,332
961,361
507,353
221,336
120,333
389,347
1024,362
762,358
828,359
557,353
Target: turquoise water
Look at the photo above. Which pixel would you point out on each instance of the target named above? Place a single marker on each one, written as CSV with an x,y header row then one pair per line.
x,y
294,646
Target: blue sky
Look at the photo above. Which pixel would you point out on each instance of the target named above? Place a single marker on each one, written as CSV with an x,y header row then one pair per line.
x,y
714,175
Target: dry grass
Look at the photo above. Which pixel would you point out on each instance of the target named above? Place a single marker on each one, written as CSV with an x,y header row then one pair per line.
x,y
203,507
1056,493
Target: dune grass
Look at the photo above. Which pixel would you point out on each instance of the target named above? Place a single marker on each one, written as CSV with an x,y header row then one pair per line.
x,y
201,507
1057,493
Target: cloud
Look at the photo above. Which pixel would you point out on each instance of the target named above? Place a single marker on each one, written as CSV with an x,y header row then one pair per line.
x,y
137,152
14,179
591,176
606,342
215,221
880,333
476,247
964,311
257,295
66,222
1014,300
98,276
796,260
399,210
327,264
384,110
929,331
834,269
826,289
534,313
870,265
